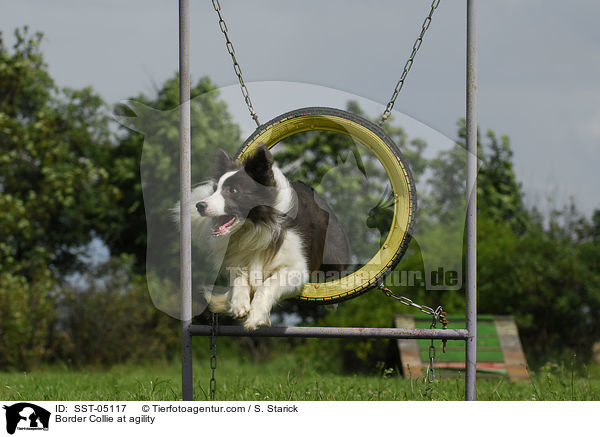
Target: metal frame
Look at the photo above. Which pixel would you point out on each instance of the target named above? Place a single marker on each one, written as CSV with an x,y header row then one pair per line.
x,y
188,330
471,240
187,384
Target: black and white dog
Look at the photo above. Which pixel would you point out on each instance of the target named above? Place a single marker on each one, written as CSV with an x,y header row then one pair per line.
x,y
276,234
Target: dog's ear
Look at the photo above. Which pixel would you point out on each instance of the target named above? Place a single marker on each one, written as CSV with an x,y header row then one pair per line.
x,y
259,166
223,162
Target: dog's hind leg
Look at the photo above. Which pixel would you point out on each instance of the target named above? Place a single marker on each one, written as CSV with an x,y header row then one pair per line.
x,y
240,295
219,302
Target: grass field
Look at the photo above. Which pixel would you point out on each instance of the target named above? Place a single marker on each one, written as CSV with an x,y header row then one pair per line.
x,y
281,379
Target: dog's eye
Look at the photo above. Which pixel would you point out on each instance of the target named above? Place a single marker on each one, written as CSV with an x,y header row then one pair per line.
x,y
233,190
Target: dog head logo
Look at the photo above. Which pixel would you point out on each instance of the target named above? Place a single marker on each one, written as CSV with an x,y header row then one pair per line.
x,y
26,416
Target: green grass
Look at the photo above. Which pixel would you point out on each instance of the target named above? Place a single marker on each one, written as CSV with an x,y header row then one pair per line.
x,y
281,379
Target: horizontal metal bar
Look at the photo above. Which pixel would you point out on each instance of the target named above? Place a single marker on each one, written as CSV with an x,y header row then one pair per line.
x,y
329,332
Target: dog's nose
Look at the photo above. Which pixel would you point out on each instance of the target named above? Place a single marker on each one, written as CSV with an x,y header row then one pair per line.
x,y
201,207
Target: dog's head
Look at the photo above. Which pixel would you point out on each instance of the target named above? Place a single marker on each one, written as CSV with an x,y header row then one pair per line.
x,y
243,192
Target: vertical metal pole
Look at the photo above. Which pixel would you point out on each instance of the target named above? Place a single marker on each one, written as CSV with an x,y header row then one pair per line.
x,y
187,385
471,189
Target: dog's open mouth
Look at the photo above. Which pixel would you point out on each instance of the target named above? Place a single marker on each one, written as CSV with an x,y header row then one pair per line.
x,y
224,224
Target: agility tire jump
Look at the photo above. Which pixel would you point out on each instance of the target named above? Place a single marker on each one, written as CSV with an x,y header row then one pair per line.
x,y
388,153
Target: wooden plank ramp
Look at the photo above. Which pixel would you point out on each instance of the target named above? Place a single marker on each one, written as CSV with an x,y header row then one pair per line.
x,y
499,350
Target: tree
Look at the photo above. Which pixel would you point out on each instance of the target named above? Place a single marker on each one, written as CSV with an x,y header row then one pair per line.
x,y
53,193
497,187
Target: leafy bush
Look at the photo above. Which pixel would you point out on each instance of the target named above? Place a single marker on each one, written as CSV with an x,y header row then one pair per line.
x,y
110,319
27,315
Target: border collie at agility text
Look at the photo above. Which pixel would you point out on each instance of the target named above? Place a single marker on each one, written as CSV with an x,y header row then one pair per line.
x,y
276,232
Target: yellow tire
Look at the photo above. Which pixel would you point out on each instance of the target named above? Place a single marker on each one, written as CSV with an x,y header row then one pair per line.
x,y
405,200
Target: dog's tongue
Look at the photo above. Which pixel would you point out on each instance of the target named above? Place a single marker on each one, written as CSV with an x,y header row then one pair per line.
x,y
223,223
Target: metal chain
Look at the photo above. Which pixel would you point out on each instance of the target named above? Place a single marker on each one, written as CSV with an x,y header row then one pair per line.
x,y
409,63
214,324
430,368
236,67
436,315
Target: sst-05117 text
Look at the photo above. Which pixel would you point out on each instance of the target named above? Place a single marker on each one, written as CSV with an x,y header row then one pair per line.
x,y
92,408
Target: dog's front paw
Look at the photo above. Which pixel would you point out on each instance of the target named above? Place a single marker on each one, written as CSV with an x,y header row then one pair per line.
x,y
253,321
240,307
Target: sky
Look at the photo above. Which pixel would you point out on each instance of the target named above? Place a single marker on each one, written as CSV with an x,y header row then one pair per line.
x,y
539,64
